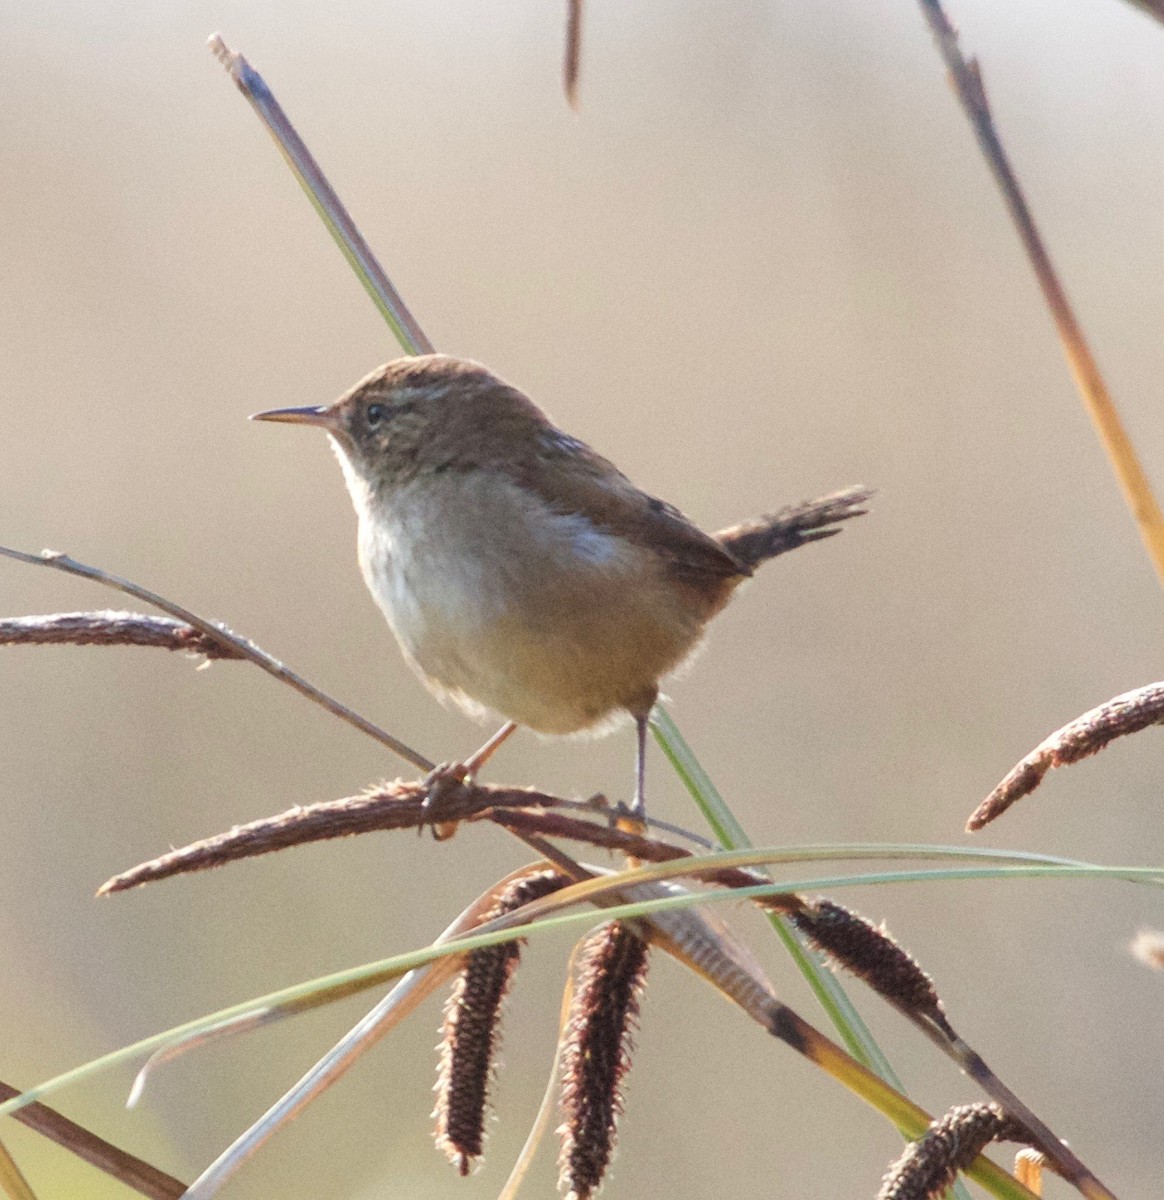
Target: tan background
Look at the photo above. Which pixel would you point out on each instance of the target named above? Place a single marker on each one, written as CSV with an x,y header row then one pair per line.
x,y
763,261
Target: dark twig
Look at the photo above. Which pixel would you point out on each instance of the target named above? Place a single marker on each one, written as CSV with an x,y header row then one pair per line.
x,y
1154,8
1133,482
1086,735
607,837
573,56
109,628
130,1170
244,647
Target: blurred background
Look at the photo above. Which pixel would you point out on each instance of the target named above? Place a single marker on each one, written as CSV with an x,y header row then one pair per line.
x,y
764,260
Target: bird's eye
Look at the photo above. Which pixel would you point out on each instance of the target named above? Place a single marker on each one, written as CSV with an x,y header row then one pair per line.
x,y
375,414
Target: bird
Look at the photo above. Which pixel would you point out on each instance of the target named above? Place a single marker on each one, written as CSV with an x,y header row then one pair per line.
x,y
521,572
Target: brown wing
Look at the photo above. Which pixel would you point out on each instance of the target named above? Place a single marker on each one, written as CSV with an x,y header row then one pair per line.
x,y
572,478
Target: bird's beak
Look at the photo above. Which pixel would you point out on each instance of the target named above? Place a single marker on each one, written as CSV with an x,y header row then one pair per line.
x,y
314,415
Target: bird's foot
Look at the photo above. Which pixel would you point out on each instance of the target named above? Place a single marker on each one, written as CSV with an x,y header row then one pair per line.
x,y
441,784
630,818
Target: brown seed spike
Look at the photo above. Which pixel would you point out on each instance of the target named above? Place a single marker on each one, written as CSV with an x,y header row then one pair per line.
x,y
929,1166
471,1030
1079,739
596,1054
871,954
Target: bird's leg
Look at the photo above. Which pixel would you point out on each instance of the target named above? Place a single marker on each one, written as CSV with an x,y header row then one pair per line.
x,y
442,779
639,803
634,818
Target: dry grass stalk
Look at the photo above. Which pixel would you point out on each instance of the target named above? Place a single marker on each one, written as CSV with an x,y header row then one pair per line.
x,y
401,805
877,959
901,982
109,628
390,805
573,57
134,1172
1086,735
240,647
966,77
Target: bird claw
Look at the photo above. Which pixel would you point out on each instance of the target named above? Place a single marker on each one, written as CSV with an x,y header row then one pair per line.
x,y
629,818
440,785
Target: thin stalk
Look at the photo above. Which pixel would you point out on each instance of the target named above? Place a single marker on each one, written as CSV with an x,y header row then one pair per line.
x,y
12,1180
135,1173
324,200
242,646
1098,401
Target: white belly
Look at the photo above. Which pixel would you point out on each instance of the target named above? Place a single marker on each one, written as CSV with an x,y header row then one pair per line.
x,y
502,604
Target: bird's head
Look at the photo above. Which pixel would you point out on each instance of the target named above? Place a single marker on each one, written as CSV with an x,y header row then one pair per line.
x,y
422,415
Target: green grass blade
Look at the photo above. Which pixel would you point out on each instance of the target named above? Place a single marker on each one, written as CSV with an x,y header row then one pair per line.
x,y
341,984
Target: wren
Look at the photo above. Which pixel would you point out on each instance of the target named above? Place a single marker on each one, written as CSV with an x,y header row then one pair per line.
x,y
520,571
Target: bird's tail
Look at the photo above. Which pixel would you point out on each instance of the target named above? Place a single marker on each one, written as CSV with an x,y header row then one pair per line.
x,y
756,541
